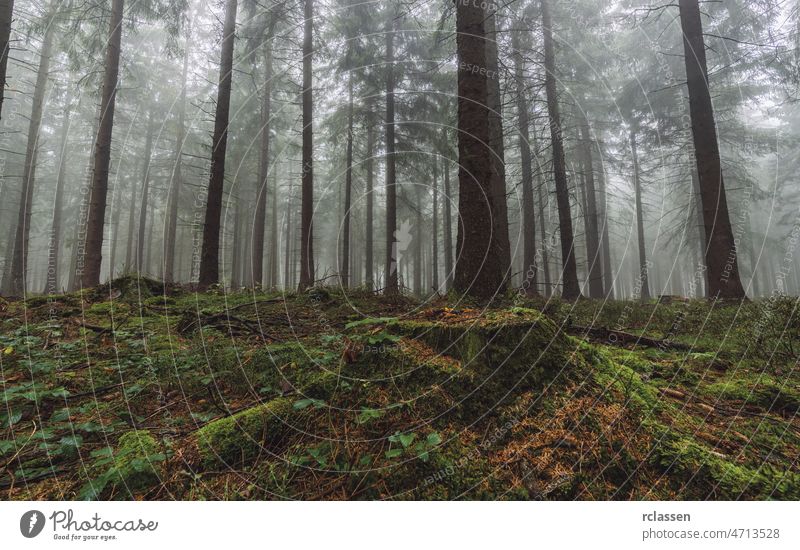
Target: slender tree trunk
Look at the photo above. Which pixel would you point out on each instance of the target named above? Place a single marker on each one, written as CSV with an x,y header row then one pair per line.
x,y
93,253
209,256
148,266
596,289
435,237
260,222
19,260
307,191
418,260
571,288
348,187
236,248
288,266
116,215
148,155
129,248
637,186
52,285
177,173
480,265
722,274
542,186
448,227
608,275
274,260
529,268
392,253
369,240
6,16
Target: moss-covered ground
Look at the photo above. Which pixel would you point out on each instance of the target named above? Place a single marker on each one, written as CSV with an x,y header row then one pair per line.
x,y
137,390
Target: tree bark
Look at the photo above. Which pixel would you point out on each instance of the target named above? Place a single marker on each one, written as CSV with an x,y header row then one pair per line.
x,y
448,226
529,268
274,260
608,275
722,274
392,267
495,101
260,222
571,288
480,264
177,174
54,249
19,260
644,292
596,289
307,191
93,253
348,186
369,240
148,155
209,256
435,237
6,16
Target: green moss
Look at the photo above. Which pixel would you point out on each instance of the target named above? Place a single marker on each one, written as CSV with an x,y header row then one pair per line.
x,y
137,462
243,436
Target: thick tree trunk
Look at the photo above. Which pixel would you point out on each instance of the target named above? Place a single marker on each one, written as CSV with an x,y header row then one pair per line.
x,y
369,240
348,187
148,155
392,267
307,191
496,142
571,288
637,187
448,227
209,256
480,264
260,222
52,285
594,257
6,16
528,219
19,260
93,253
722,274
177,174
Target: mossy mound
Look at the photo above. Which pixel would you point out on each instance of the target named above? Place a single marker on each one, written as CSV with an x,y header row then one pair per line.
x,y
245,435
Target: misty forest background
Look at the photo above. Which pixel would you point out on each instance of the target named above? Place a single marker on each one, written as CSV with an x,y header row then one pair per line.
x,y
557,147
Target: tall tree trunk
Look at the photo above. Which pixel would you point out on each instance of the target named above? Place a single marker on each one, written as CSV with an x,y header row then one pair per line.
x,y
209,256
260,222
307,191
571,288
236,248
274,261
6,16
608,275
480,264
288,266
348,186
392,252
148,155
19,260
177,173
54,249
596,289
418,260
369,240
542,186
637,187
722,275
435,237
131,240
529,268
93,253
448,226
495,102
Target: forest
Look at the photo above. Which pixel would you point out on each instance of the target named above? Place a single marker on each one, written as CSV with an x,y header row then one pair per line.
x,y
423,249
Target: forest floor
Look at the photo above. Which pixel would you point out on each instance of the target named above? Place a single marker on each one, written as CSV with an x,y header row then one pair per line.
x,y
136,390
